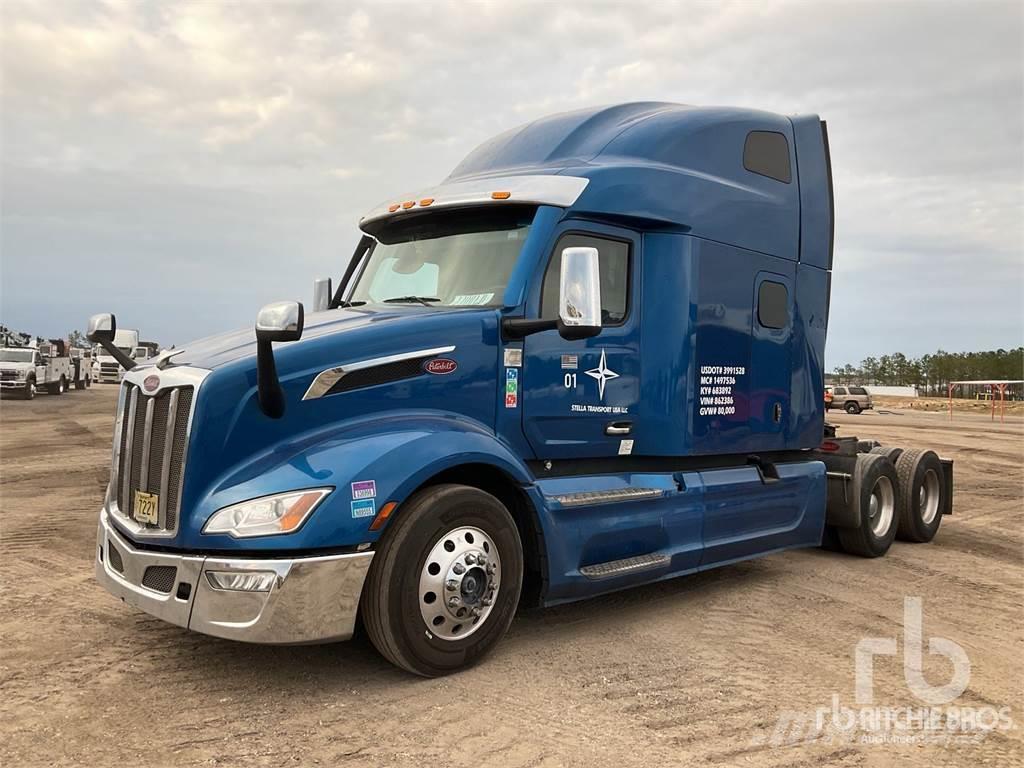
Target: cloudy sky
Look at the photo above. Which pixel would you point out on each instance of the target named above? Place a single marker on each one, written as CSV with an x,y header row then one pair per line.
x,y
182,164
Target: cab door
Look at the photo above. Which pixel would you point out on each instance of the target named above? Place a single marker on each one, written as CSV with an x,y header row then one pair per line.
x,y
579,397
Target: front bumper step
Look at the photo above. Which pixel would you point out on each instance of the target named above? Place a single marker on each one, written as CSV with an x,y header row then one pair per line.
x,y
310,600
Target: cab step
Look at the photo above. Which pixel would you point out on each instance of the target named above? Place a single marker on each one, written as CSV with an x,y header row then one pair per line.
x,y
626,565
591,498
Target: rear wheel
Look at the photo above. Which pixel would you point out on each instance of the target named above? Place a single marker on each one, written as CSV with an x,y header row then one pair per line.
x,y
891,452
444,583
921,495
852,408
876,489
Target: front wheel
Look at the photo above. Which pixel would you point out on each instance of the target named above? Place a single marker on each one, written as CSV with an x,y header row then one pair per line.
x,y
852,408
444,584
30,389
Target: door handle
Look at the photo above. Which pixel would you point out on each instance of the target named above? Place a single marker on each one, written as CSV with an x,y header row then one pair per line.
x,y
619,428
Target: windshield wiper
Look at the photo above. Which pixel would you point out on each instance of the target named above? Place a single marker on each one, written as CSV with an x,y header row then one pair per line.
x,y
347,304
424,300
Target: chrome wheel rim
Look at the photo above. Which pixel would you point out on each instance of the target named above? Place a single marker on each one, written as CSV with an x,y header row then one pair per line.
x,y
459,583
928,497
881,506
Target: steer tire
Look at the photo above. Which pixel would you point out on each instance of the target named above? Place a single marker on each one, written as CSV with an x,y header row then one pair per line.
x,y
875,476
30,389
921,501
852,408
395,612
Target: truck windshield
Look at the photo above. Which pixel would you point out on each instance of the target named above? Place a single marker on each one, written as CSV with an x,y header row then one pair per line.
x,y
15,355
445,258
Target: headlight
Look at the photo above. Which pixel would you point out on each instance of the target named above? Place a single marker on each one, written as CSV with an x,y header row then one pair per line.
x,y
267,516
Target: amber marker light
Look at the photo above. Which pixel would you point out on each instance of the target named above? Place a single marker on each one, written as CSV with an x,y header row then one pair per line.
x,y
426,201
408,204
383,515
393,208
500,195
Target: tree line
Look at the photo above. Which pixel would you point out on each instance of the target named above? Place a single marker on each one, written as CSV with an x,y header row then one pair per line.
x,y
931,374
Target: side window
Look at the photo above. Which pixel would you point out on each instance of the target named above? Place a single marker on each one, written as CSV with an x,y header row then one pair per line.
x,y
840,391
858,391
613,257
767,153
772,305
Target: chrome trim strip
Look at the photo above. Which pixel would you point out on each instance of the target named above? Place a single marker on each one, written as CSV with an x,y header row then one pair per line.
x,y
561,191
129,440
118,427
588,498
165,467
147,444
326,379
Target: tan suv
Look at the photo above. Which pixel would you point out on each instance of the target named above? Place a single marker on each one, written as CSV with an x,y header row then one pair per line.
x,y
850,399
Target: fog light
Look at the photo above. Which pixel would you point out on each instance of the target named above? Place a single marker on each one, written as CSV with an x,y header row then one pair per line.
x,y
241,581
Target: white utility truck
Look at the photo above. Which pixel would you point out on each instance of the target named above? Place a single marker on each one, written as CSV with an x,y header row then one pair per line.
x,y
25,370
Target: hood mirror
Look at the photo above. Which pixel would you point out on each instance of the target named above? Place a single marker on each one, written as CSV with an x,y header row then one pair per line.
x,y
579,295
280,321
322,294
101,328
101,331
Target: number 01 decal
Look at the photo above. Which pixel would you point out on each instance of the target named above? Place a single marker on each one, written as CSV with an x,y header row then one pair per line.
x,y
570,381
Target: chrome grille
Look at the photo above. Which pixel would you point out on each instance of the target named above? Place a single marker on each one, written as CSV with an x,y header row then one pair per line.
x,y
151,452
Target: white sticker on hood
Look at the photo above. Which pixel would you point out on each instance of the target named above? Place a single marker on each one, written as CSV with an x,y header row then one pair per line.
x,y
472,299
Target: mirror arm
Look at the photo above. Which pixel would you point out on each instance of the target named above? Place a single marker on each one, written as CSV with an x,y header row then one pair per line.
x,y
124,360
577,332
268,386
361,248
517,328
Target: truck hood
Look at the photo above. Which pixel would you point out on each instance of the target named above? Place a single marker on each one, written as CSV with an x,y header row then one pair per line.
x,y
216,351
17,366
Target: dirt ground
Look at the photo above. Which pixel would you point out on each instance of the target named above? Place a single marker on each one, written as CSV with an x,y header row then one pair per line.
x,y
693,671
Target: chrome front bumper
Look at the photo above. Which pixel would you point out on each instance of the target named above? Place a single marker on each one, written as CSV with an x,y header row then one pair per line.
x,y
312,599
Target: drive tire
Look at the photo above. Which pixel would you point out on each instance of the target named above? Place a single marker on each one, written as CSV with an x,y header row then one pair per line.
x,y
874,478
392,606
80,384
852,408
891,452
921,501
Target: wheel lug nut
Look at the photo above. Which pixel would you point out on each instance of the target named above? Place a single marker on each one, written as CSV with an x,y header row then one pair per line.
x,y
470,558
477,611
486,601
452,585
490,568
453,602
459,568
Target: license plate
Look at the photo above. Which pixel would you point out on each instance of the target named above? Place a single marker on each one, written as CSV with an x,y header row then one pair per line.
x,y
146,507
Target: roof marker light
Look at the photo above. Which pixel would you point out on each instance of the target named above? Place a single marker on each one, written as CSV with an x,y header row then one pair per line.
x,y
426,201
408,204
500,195
393,208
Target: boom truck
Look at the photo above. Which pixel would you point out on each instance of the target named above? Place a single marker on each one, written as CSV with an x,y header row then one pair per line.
x,y
591,358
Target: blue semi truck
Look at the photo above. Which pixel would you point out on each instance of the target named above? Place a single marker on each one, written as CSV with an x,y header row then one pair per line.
x,y
591,358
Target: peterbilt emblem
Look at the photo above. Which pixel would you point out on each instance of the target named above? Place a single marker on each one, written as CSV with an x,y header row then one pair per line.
x,y
151,383
440,366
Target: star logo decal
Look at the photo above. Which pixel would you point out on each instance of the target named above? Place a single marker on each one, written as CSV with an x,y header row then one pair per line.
x,y
602,373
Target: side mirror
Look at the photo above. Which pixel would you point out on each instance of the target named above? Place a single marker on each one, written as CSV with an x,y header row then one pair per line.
x,y
101,328
579,295
322,294
280,321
